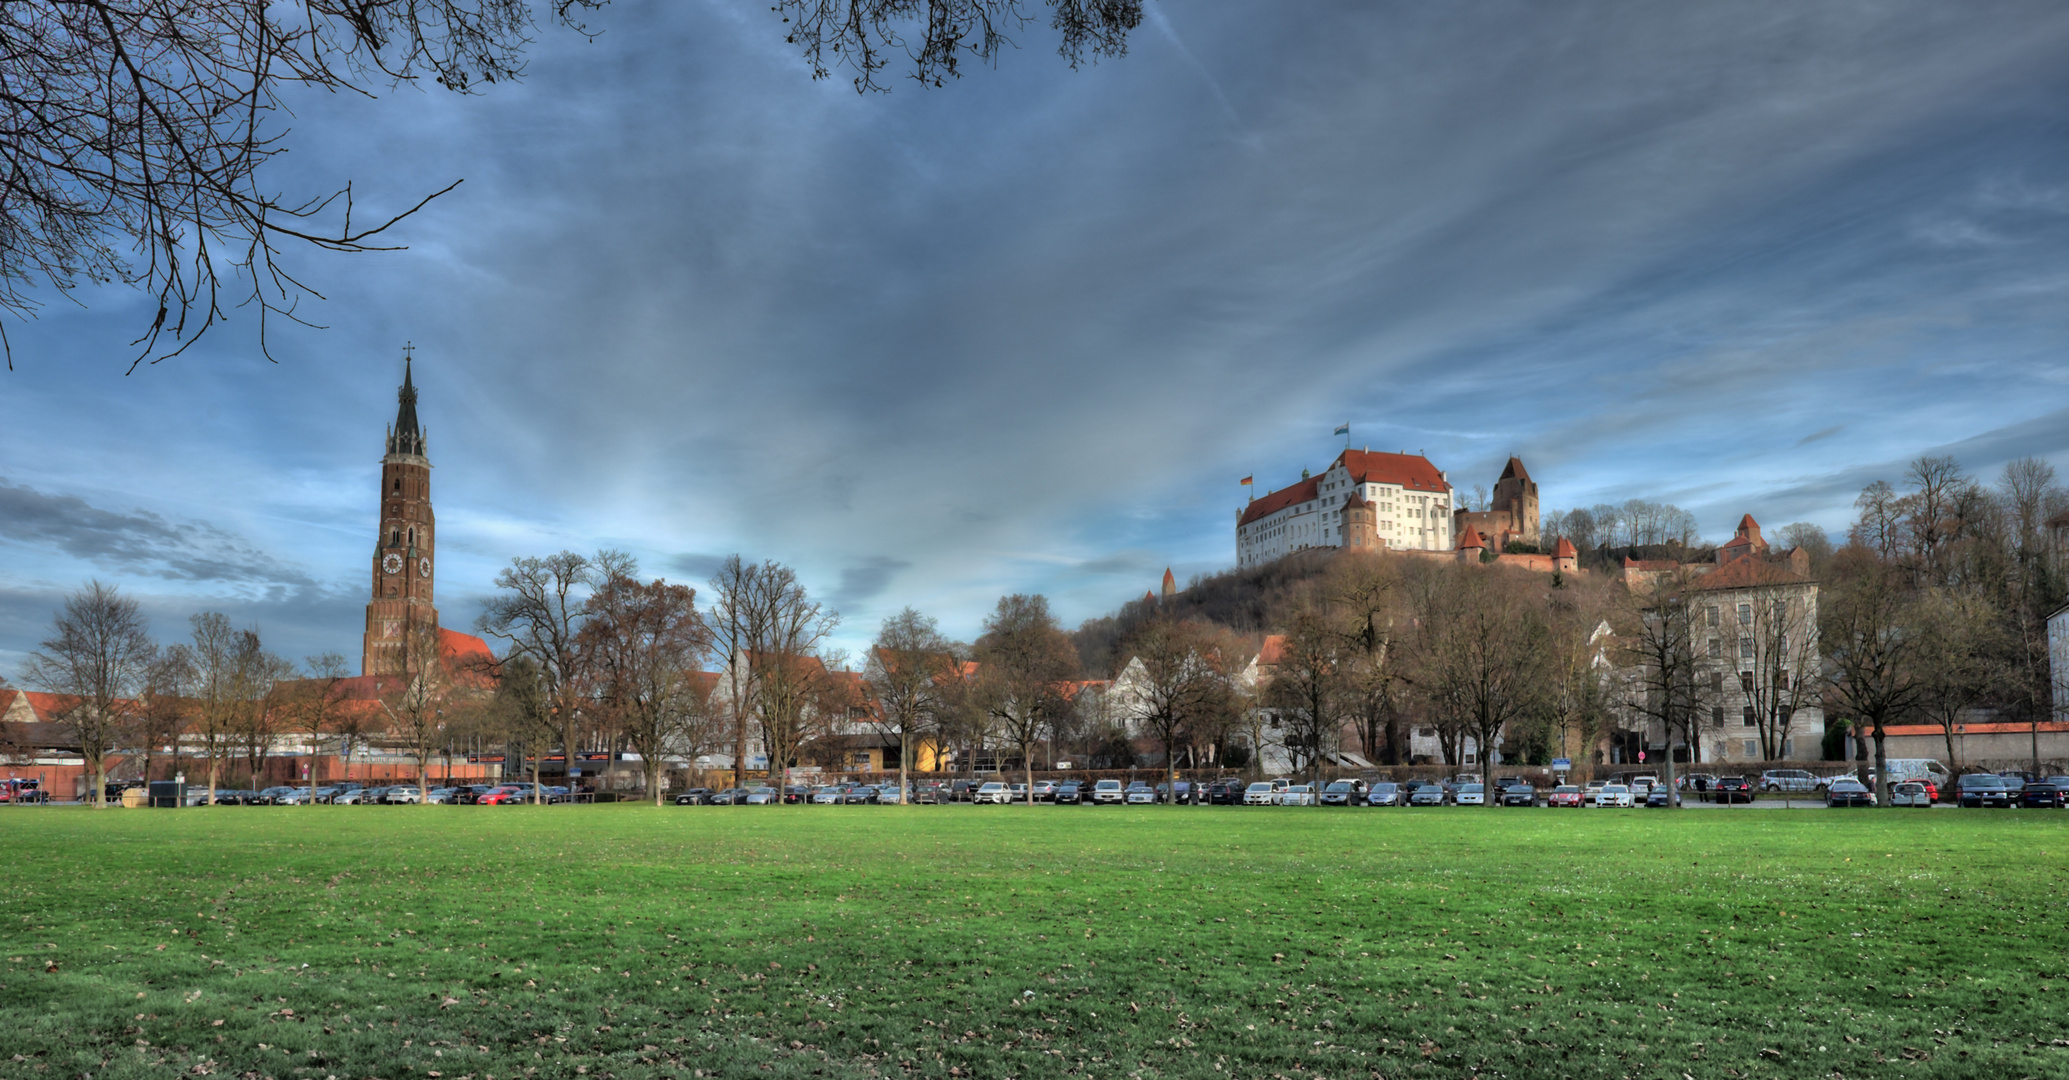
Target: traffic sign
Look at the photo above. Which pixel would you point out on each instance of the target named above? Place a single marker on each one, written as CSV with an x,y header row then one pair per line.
x,y
1561,764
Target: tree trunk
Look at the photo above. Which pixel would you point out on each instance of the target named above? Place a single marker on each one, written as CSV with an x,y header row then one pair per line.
x,y
100,783
1882,784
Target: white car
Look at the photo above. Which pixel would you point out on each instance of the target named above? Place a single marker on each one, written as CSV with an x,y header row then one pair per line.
x,y
993,792
1909,794
1297,795
1263,792
1616,795
1108,791
440,795
1471,795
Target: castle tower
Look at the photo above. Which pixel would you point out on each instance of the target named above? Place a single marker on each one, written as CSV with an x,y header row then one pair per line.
x,y
1361,524
1170,584
404,546
1515,494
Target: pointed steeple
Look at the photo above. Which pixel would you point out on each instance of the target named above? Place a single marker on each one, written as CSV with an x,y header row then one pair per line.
x,y
406,437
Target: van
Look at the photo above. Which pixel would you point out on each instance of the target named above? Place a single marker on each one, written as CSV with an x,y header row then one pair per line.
x,y
1905,769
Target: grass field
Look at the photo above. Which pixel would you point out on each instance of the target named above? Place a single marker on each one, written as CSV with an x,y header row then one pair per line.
x,y
464,943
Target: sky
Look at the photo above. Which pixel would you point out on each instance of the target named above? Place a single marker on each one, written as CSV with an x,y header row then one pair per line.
x,y
1025,332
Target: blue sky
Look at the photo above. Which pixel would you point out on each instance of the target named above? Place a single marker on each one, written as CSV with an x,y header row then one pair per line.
x,y
1025,332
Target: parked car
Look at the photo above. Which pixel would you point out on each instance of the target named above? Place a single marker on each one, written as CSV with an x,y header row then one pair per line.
x,y
1789,780
962,790
1226,793
1660,795
2043,795
1068,793
1982,789
1614,796
863,795
1297,795
1565,795
1470,795
830,795
1430,795
1108,793
1700,783
1732,789
1343,793
1847,791
992,792
1519,794
928,793
1139,793
1186,792
764,796
1591,792
357,796
1911,793
696,796
404,794
1384,793
1045,791
1263,792
439,795
271,795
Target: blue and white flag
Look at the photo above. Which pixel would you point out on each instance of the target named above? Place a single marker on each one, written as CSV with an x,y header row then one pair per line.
x,y
1342,429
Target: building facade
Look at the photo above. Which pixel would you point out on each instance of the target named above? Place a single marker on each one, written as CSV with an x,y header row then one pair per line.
x,y
1376,501
1511,517
404,544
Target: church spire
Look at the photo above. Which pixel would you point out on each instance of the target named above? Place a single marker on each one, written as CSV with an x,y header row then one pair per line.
x,y
406,437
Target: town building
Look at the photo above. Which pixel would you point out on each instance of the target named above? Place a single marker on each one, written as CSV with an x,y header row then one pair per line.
x,y
1377,501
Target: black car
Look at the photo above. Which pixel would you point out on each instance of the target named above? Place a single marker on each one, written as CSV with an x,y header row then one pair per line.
x,y
961,790
1517,794
861,795
1982,789
1732,789
1069,792
928,792
1343,793
2044,795
696,796
1225,793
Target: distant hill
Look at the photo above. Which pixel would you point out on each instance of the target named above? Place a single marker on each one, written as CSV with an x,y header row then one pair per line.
x,y
1250,601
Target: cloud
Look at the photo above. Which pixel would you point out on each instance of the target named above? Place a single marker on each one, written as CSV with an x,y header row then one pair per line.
x,y
865,580
697,566
1818,435
138,541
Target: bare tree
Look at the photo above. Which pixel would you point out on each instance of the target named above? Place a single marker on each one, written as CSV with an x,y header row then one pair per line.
x,y
524,710
223,656
1365,604
1779,668
97,656
1666,652
644,642
912,671
1960,646
320,710
1025,665
1305,695
166,707
864,35
1811,538
1871,659
769,632
415,696
1178,685
539,612
267,703
1485,653
1931,520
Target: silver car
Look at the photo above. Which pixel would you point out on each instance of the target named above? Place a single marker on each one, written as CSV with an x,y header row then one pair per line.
x,y
1908,794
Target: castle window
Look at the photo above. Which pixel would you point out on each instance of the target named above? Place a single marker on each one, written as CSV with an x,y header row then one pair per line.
x,y
398,487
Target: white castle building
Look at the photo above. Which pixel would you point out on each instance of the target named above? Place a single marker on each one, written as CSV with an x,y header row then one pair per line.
x,y
1408,499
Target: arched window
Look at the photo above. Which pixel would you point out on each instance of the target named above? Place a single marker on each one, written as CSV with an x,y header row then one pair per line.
x,y
394,537
398,485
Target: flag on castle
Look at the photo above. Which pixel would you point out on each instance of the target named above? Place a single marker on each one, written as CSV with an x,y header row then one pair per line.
x,y
1244,481
1342,429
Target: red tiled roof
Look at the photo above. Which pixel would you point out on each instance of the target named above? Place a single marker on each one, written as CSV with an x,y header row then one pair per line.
x,y
1469,540
2050,726
1411,471
1564,549
1738,542
1515,469
1273,650
1748,573
1650,564
1748,524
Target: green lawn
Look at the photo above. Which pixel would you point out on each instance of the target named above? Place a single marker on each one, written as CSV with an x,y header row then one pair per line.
x,y
464,943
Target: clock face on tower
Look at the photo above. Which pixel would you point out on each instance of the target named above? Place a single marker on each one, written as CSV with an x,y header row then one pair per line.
x,y
392,563
424,567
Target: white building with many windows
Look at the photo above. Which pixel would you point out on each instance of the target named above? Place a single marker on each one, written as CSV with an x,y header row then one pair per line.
x,y
1407,500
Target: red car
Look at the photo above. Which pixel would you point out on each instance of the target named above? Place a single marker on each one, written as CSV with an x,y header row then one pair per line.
x,y
506,793
1564,795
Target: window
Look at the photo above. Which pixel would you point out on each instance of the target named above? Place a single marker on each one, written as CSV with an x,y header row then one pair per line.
x,y
1788,748
1745,614
1716,649
1716,716
1745,648
1711,614
1716,679
1752,748
1745,682
1781,682
1747,714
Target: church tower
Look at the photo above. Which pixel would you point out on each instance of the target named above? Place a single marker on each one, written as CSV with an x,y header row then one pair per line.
x,y
403,548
